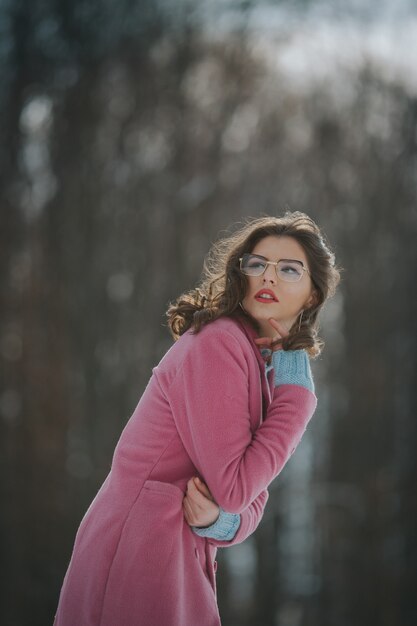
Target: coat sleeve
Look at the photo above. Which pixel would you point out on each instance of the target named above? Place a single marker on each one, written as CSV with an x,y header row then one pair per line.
x,y
249,522
209,399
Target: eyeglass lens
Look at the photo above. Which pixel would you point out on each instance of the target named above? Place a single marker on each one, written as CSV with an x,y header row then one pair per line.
x,y
290,271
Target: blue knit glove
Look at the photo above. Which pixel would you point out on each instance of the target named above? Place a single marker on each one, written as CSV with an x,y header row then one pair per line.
x,y
224,528
292,367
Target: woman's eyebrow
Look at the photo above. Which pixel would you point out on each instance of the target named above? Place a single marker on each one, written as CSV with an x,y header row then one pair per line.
x,y
266,259
296,260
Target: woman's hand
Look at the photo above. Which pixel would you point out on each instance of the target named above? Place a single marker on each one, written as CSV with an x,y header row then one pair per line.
x,y
270,342
199,506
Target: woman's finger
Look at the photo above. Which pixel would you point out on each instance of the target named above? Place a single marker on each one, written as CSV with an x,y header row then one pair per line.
x,y
194,495
273,343
263,341
202,488
191,508
197,498
186,508
279,327
199,510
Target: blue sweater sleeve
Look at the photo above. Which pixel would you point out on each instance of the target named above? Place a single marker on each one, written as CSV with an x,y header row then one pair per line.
x,y
224,528
292,367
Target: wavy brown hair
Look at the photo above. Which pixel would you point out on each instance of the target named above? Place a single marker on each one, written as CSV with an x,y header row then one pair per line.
x,y
223,286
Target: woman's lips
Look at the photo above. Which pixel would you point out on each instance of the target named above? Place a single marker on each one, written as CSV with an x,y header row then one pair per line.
x,y
265,296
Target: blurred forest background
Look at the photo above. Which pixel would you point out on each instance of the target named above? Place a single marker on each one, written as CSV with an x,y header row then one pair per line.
x,y
133,134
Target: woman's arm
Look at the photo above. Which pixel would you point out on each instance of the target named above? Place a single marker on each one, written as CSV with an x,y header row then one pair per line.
x,y
209,401
249,522
204,515
199,506
224,528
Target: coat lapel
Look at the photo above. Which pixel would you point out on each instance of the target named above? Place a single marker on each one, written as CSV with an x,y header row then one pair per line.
x,y
267,382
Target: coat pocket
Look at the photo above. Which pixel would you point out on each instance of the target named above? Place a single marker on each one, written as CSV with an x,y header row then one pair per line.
x,y
149,538
161,487
156,519
146,574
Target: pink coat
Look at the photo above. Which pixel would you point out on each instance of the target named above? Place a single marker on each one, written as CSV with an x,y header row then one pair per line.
x,y
208,410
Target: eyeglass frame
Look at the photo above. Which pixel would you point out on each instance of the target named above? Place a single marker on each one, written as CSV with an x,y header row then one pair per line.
x,y
259,256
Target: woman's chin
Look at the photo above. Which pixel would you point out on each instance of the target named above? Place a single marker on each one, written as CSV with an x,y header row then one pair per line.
x,y
265,328
262,318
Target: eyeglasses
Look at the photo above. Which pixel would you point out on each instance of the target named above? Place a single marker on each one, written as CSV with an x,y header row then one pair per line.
x,y
289,270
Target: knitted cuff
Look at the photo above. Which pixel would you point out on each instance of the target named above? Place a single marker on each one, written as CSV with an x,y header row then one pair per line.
x,y
224,528
292,367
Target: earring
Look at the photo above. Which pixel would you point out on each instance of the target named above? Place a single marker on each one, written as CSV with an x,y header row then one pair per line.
x,y
299,323
242,307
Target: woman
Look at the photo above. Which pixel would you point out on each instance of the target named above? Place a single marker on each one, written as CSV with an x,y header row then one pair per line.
x,y
222,413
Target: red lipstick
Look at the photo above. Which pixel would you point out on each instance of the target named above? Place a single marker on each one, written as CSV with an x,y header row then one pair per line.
x,y
266,296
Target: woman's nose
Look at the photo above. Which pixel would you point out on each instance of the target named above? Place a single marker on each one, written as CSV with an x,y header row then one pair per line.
x,y
270,275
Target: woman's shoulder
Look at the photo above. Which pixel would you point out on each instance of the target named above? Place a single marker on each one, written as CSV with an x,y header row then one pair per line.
x,y
222,324
222,331
219,343
226,327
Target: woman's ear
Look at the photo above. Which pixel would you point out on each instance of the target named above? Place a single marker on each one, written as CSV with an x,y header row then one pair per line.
x,y
312,301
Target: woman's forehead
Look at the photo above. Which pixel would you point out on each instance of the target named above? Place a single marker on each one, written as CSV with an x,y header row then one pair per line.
x,y
273,248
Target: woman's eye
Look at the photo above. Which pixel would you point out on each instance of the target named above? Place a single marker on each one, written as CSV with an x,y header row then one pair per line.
x,y
255,263
289,269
